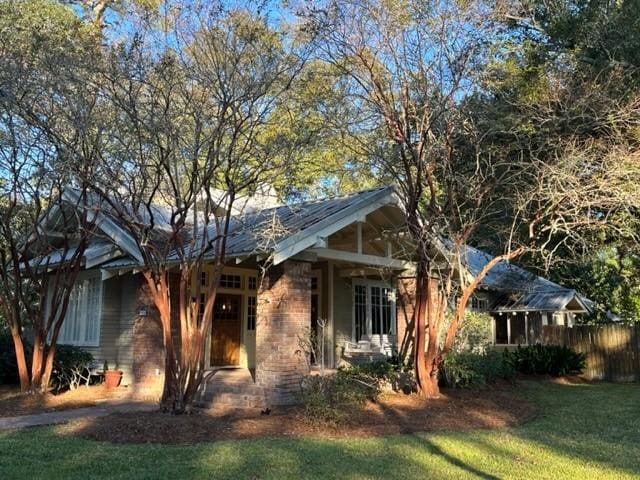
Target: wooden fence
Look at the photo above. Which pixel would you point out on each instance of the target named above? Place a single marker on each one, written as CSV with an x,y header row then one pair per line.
x,y
612,351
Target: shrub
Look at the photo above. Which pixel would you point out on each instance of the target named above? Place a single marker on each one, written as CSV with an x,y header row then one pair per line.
x,y
380,371
328,398
469,369
540,359
8,364
474,333
70,367
385,374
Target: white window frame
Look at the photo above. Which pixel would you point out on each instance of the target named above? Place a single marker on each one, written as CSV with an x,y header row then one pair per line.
x,y
84,303
369,317
479,304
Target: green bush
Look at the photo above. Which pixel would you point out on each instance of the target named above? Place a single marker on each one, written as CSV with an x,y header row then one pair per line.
x,y
540,359
377,371
8,364
474,333
70,367
469,369
385,374
328,398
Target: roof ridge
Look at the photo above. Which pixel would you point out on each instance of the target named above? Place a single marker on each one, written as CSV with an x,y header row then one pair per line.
x,y
316,201
338,196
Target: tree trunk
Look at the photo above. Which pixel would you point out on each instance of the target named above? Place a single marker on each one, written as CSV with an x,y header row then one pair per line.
x,y
21,360
430,388
419,344
172,399
37,364
48,365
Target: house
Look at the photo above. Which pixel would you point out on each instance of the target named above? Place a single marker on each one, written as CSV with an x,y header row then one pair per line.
x,y
521,303
336,267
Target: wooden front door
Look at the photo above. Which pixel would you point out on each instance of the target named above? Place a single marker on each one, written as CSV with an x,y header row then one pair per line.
x,y
225,330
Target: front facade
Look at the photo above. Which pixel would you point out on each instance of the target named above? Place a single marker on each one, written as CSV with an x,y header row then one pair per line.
x,y
337,281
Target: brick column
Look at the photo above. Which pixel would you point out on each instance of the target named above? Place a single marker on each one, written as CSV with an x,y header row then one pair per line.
x,y
148,349
283,311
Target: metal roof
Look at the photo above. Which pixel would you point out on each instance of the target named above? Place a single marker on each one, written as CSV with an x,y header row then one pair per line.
x,y
284,228
522,290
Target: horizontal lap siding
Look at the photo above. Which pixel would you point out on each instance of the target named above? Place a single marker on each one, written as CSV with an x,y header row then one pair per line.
x,y
116,325
128,298
109,324
342,311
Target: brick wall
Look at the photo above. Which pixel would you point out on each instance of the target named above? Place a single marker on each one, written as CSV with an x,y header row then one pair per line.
x,y
148,350
283,311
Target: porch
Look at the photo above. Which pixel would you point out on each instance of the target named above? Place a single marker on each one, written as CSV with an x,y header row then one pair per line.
x,y
325,295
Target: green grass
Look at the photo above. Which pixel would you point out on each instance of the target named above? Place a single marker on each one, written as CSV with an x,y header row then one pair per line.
x,y
583,431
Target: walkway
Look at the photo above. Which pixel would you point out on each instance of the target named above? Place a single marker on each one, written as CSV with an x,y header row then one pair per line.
x,y
62,416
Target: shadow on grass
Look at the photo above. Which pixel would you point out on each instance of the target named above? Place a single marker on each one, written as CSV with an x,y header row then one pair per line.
x,y
591,430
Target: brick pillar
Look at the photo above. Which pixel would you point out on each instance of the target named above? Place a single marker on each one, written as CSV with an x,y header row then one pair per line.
x,y
148,349
283,311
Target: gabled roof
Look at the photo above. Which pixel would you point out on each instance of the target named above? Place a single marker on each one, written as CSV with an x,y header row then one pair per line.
x,y
286,230
521,290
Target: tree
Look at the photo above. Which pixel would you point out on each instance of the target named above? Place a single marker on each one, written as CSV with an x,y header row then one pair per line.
x,y
192,131
414,71
562,92
47,140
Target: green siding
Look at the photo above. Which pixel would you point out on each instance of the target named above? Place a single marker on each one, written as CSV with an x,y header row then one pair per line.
x,y
116,324
342,311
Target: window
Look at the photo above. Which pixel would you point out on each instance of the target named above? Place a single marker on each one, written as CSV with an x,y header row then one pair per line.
x,y
502,330
251,312
360,311
230,281
227,307
253,283
511,329
81,324
373,310
381,310
201,305
479,304
203,279
314,283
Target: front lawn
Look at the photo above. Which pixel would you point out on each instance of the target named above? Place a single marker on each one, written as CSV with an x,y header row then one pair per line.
x,y
581,431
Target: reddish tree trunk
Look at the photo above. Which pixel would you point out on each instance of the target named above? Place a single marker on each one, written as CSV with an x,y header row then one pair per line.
x,y
37,361
420,312
21,360
48,366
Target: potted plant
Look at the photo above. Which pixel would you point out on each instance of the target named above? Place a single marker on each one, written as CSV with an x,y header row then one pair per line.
x,y
112,378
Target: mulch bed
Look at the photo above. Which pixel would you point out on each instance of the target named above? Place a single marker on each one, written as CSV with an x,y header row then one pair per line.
x,y
13,403
392,414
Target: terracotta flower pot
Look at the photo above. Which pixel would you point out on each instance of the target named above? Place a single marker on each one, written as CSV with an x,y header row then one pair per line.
x,y
112,378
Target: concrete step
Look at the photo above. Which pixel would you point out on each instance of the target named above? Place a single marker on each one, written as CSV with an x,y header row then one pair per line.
x,y
232,400
231,388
